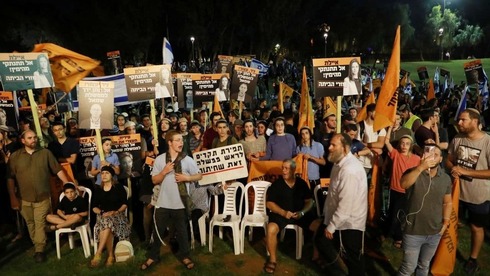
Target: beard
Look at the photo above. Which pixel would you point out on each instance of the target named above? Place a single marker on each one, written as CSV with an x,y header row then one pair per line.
x,y
335,157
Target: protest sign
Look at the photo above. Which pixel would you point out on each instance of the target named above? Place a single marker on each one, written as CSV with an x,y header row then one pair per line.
x,y
21,71
473,71
330,75
115,65
221,164
96,104
244,83
423,73
127,148
149,82
184,89
8,118
204,86
225,64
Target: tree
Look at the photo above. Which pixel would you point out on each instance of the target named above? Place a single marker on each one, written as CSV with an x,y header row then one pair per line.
x,y
468,38
442,26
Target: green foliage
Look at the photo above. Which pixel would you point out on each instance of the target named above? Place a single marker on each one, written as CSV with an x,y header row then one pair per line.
x,y
468,38
447,21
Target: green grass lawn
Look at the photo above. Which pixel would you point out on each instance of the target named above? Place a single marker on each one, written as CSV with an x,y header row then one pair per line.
x,y
456,67
222,261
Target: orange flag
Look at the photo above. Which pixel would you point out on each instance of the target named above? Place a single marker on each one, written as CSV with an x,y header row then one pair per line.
x,y
280,97
388,97
329,106
305,111
445,257
287,91
363,113
374,194
68,67
216,106
404,80
431,94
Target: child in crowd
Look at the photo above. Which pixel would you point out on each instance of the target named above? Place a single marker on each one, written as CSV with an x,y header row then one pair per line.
x,y
71,211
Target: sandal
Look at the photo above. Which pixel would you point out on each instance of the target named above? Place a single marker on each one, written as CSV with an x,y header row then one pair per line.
x,y
95,262
187,262
146,265
109,261
270,267
397,244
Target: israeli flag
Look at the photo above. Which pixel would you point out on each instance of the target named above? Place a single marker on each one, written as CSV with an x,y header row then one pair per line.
x,y
257,64
168,55
484,90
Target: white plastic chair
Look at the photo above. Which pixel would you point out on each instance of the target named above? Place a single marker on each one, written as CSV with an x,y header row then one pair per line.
x,y
202,228
83,230
125,212
258,217
228,210
299,238
319,207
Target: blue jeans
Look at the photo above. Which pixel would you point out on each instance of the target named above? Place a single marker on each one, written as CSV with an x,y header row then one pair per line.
x,y
418,251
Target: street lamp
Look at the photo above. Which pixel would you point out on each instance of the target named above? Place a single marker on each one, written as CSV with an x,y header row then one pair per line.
x,y
441,31
325,35
192,41
324,28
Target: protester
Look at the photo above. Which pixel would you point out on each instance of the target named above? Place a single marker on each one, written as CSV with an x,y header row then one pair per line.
x,y
172,171
323,136
374,140
410,120
71,212
289,201
402,160
211,132
427,212
110,159
31,168
64,148
313,152
281,145
253,146
109,203
345,208
469,160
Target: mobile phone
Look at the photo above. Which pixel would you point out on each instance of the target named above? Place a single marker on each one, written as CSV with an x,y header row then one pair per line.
x,y
429,151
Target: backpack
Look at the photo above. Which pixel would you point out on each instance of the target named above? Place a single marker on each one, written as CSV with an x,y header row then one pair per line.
x,y
124,251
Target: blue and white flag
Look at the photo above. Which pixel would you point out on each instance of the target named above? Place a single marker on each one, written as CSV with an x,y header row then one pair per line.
x,y
484,90
263,68
168,55
436,80
462,104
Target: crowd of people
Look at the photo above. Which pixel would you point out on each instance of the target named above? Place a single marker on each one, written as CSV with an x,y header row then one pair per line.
x,y
418,156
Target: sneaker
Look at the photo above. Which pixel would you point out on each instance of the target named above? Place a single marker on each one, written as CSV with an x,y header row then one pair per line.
x,y
471,267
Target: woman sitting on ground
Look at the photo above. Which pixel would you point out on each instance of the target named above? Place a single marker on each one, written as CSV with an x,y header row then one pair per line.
x,y
109,204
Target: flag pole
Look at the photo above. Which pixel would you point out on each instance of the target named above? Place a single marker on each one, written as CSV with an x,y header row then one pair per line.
x,y
35,117
339,113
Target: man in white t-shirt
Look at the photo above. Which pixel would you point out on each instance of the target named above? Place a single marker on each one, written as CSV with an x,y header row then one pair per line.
x,y
374,140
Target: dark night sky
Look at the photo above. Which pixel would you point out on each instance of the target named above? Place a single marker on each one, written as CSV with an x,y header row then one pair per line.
x,y
95,27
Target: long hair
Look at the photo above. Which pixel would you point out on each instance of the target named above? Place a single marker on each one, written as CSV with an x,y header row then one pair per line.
x,y
300,141
357,80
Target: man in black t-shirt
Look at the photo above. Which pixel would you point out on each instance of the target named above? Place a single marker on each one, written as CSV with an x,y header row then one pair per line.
x,y
289,201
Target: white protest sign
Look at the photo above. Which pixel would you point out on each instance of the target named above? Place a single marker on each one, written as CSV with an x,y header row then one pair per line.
x,y
221,164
